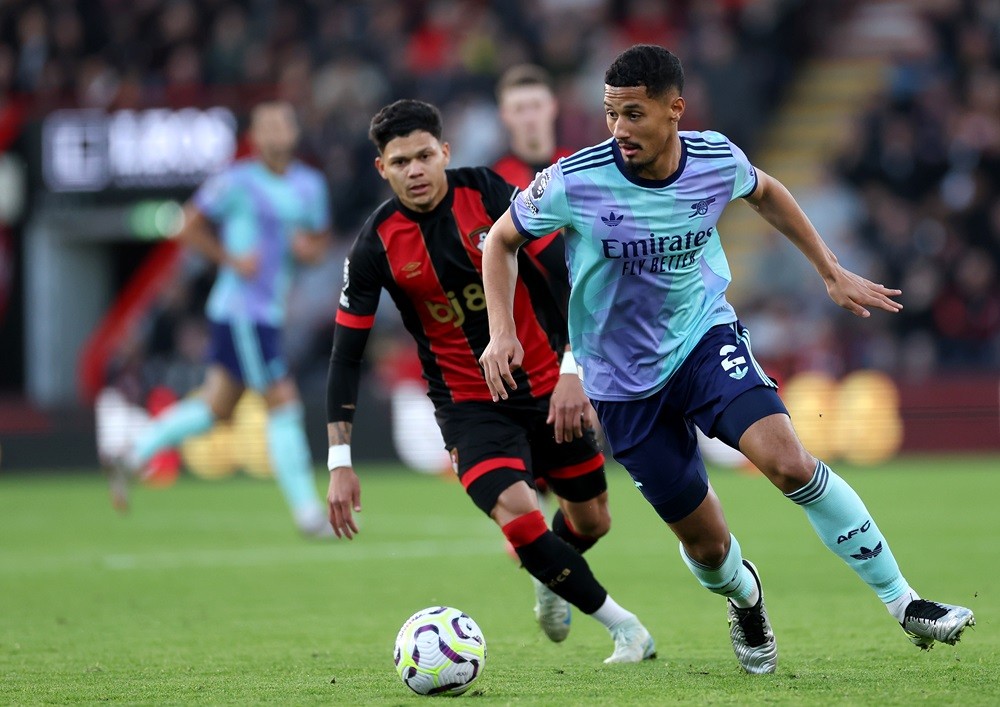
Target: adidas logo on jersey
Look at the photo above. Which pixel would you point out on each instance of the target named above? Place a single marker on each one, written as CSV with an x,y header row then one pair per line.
x,y
612,220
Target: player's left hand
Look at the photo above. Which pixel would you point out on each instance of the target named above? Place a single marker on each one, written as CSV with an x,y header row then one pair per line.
x,y
854,293
502,356
570,411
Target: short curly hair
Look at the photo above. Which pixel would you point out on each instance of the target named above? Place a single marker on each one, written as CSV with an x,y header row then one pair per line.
x,y
401,118
646,65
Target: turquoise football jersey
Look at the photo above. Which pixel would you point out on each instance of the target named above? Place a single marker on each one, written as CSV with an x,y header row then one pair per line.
x,y
645,256
258,211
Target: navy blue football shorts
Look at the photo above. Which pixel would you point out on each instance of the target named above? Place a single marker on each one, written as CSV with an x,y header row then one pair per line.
x,y
719,388
249,351
495,445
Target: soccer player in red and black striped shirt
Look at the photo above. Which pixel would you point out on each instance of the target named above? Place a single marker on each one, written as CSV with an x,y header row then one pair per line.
x,y
424,247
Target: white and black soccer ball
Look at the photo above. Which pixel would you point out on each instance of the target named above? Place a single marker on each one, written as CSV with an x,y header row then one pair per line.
x,y
439,651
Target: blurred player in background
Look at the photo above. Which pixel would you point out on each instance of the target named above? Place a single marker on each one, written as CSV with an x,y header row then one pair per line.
x,y
424,247
662,350
528,110
253,221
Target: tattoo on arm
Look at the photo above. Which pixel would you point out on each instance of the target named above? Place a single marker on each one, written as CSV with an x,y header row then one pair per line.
x,y
339,432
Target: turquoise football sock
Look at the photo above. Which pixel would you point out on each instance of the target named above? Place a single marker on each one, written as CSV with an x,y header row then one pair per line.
x,y
290,458
731,579
845,526
188,418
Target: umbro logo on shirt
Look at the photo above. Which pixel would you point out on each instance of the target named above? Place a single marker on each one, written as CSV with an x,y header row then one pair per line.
x,y
612,220
700,208
412,269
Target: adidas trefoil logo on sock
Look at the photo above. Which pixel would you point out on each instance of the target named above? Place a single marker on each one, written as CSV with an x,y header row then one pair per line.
x,y
867,554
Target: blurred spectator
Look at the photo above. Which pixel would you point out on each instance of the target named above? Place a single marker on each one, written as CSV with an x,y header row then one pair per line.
x,y
228,46
925,159
967,313
911,200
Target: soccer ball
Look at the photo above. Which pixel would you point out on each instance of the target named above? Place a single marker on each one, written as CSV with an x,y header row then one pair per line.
x,y
439,651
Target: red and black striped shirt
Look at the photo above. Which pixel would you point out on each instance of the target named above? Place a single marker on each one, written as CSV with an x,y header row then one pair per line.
x,y
431,265
519,172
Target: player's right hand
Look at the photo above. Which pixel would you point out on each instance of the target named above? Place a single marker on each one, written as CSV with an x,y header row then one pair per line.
x,y
501,357
244,265
570,411
344,499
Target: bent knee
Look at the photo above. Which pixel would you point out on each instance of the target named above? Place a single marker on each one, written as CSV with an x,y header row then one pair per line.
x,y
591,518
281,392
222,413
709,553
790,470
513,502
593,526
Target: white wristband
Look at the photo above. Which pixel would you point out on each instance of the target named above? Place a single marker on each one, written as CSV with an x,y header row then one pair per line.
x,y
568,364
339,455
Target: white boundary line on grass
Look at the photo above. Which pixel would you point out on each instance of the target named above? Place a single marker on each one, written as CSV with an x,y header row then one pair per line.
x,y
320,552
327,552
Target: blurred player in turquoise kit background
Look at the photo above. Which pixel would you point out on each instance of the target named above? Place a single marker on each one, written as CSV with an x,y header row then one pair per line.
x,y
253,221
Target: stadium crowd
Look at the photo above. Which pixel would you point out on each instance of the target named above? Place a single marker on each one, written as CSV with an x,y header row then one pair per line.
x,y
915,187
924,161
338,62
912,199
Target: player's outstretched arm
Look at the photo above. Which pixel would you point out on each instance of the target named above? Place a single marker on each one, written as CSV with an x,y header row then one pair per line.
x,y
344,494
778,207
504,353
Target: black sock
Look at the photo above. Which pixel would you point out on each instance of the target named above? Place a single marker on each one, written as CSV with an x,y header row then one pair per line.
x,y
561,527
555,563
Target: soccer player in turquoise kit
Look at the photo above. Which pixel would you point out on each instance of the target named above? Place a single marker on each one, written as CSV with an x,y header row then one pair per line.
x,y
268,211
662,350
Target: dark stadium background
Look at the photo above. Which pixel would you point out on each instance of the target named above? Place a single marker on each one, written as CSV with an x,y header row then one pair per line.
x,y
882,117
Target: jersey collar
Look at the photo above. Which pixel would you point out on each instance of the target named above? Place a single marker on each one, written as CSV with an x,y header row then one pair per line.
x,y
649,183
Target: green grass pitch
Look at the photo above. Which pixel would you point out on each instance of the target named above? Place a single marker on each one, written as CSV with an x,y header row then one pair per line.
x,y
205,595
